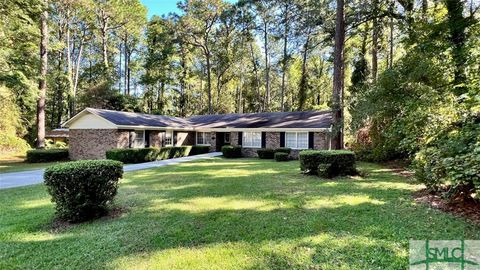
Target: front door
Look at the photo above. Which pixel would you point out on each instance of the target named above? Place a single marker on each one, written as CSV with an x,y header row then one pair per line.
x,y
222,138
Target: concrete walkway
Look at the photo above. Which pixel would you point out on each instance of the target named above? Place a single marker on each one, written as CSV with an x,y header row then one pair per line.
x,y
26,178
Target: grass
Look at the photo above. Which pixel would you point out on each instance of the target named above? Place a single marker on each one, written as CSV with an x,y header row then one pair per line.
x,y
16,163
231,214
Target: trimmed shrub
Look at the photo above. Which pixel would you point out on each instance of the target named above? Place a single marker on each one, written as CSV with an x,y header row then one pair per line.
x,y
230,151
199,149
325,170
281,156
133,155
342,161
46,155
265,153
283,150
173,152
82,190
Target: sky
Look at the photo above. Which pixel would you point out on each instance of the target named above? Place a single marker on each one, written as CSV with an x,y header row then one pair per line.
x,y
161,7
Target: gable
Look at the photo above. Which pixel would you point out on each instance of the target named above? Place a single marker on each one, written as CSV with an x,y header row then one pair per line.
x,y
91,121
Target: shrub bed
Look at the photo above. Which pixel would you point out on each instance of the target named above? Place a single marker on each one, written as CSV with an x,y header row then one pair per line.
x,y
283,150
340,162
265,153
46,155
281,156
199,149
82,190
133,155
230,151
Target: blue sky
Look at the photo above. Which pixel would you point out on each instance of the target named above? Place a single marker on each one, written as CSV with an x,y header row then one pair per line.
x,y
160,7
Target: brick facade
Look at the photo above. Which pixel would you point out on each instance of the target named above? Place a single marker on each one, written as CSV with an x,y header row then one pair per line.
x,y
320,141
93,143
185,138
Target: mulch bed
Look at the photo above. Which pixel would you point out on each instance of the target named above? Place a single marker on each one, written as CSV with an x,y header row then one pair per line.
x,y
59,225
469,209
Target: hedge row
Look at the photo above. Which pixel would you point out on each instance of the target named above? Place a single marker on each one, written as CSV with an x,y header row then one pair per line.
x,y
269,153
82,190
139,155
280,156
230,151
327,163
133,155
46,155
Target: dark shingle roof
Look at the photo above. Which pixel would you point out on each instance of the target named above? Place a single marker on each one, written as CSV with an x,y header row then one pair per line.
x,y
140,119
308,119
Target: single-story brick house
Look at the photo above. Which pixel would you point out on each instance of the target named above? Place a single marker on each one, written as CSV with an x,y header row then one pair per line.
x,y
94,131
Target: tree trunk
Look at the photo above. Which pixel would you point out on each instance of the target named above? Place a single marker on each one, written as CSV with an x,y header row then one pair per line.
x,y
267,68
375,42
42,85
457,25
255,72
209,82
302,93
392,28
337,106
104,28
284,66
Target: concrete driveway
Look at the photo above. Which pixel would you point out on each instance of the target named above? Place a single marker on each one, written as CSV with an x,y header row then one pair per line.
x,y
26,178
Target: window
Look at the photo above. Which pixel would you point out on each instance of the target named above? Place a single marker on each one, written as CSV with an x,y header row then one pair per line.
x,y
296,140
202,138
252,139
168,137
227,137
138,139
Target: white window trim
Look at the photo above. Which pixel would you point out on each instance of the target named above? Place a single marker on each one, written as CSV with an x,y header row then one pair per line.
x,y
296,139
169,131
204,139
143,139
251,146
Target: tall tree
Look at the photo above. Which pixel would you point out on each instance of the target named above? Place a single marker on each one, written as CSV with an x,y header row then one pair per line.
x,y
42,84
338,77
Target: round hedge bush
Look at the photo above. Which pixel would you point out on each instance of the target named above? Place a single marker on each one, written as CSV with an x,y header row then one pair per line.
x,y
82,190
280,156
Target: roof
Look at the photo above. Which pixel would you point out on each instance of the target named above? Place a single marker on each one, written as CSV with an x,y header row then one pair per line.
x,y
140,119
307,119
57,133
303,120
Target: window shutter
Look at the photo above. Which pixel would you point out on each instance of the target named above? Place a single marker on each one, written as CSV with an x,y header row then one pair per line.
x,y
162,136
264,139
131,137
240,135
310,140
174,139
282,139
147,138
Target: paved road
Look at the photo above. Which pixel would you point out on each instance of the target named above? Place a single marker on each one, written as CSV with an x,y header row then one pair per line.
x,y
19,179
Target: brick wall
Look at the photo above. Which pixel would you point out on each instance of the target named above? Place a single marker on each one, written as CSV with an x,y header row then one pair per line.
x,y
185,138
93,143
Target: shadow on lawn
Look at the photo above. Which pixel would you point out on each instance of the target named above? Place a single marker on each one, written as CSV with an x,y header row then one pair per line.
x,y
274,204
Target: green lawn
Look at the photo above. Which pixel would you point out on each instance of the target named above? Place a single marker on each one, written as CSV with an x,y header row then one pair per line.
x,y
16,163
230,214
